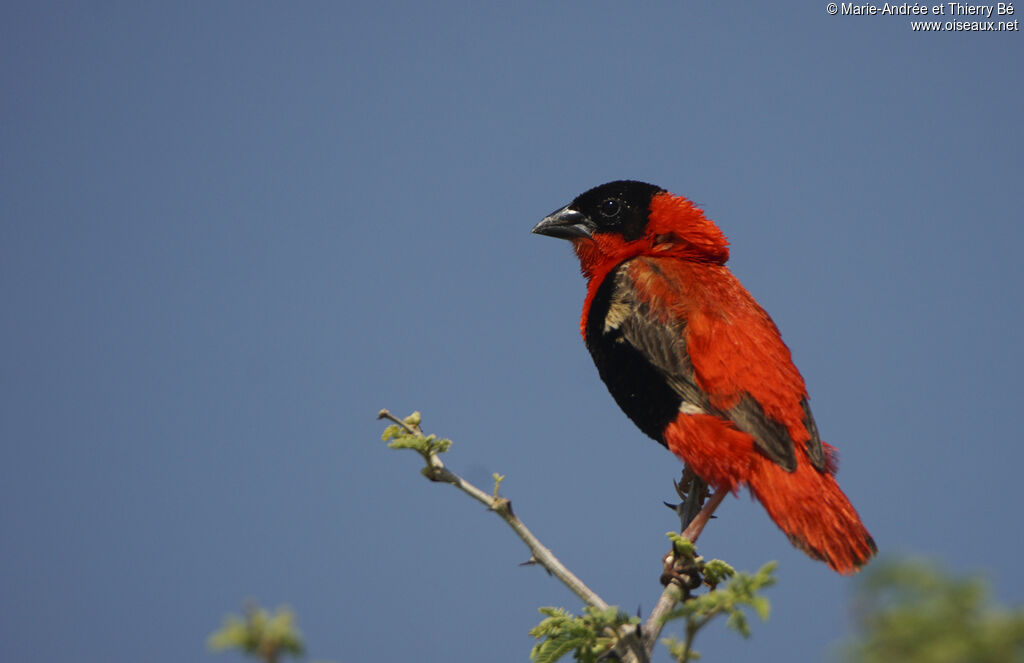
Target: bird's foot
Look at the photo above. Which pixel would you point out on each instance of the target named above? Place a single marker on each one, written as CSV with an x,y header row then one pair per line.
x,y
682,570
692,491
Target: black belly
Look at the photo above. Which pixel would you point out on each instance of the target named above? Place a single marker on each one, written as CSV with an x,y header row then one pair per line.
x,y
635,384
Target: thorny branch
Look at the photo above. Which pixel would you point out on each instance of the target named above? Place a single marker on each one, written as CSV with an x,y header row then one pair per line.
x,y
503,507
636,643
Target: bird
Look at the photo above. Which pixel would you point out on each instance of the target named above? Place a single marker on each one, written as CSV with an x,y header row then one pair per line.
x,y
699,366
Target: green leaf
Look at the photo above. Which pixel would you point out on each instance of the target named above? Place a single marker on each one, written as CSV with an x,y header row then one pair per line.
x,y
683,547
761,606
914,611
723,598
259,632
738,622
717,571
587,637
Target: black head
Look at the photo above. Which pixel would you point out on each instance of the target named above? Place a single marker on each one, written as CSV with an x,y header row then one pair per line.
x,y
616,207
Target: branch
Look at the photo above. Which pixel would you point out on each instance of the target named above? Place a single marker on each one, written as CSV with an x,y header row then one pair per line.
x,y
668,600
684,570
692,521
539,554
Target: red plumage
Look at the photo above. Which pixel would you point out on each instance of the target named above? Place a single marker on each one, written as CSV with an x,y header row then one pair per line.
x,y
699,366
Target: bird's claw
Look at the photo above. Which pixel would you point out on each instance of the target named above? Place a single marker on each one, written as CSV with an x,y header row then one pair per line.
x,y
685,484
692,491
682,571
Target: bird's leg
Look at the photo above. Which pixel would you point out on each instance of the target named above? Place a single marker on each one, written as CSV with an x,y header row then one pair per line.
x,y
696,526
693,517
692,491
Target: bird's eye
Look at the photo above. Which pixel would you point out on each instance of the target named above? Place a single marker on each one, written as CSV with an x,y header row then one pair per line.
x,y
610,207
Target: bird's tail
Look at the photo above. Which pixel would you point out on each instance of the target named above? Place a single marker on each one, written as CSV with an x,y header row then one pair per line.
x,y
805,503
811,509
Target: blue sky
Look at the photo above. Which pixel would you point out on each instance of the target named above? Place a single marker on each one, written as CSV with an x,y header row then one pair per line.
x,y
231,232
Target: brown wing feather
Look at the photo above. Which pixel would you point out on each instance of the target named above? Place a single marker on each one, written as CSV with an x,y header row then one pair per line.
x,y
661,338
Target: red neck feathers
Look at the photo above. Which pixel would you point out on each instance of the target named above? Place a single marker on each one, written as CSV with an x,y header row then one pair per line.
x,y
676,228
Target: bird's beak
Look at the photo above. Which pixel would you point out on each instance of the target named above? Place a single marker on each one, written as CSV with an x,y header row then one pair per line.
x,y
566,224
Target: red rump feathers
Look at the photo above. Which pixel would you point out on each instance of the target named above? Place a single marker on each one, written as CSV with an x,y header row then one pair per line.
x,y
699,366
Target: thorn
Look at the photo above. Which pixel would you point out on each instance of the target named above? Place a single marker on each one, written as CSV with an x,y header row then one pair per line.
x,y
674,507
533,561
